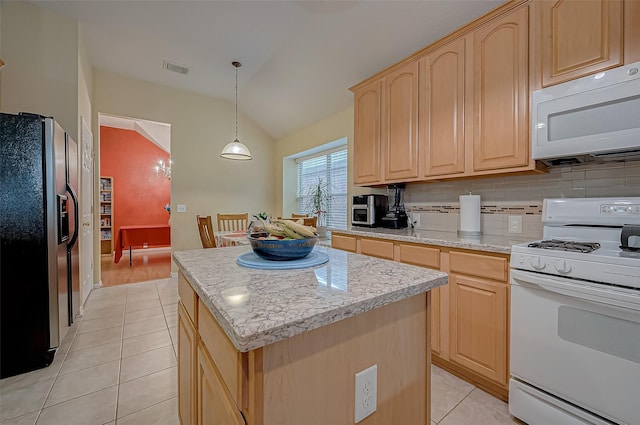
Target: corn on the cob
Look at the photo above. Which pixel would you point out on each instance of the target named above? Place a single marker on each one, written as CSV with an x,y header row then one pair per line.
x,y
300,229
290,233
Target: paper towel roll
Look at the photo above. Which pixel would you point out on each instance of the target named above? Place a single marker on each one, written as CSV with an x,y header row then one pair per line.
x,y
469,215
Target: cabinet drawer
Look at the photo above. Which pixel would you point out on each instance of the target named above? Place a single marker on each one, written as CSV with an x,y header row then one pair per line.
x,y
420,256
377,248
188,297
225,356
479,265
346,243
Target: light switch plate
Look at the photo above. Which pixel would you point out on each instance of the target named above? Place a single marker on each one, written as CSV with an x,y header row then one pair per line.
x,y
182,208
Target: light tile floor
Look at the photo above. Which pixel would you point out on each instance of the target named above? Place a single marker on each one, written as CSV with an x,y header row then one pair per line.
x,y
117,366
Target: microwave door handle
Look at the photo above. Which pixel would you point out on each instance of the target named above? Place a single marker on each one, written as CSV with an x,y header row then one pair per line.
x,y
561,286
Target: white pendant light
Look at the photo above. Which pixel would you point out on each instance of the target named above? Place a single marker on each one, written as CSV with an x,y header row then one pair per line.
x,y
235,149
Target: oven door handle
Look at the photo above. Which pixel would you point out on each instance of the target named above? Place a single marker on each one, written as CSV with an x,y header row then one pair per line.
x,y
623,298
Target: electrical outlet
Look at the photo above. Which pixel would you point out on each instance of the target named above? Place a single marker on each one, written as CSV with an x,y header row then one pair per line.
x,y
515,224
366,392
415,219
182,208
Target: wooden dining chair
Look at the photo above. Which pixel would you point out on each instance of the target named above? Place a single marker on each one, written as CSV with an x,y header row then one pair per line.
x,y
233,222
299,215
205,227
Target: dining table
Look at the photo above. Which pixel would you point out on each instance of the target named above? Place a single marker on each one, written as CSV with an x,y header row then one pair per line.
x,y
140,236
232,238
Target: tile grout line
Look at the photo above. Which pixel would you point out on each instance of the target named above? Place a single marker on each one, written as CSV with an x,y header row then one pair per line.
x,y
124,313
55,379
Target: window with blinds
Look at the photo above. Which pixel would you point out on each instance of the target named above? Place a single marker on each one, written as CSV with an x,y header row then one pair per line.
x,y
329,167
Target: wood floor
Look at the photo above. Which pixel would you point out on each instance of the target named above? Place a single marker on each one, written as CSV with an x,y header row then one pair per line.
x,y
147,265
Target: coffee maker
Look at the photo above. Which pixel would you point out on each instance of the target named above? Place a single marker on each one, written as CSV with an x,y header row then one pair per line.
x,y
396,217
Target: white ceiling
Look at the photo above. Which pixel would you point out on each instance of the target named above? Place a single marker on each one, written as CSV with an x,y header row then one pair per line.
x,y
298,57
156,132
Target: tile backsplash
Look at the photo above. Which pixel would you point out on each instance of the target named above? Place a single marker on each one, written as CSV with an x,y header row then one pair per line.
x,y
501,197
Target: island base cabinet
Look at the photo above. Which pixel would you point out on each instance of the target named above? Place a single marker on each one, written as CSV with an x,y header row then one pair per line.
x,y
310,378
187,346
215,405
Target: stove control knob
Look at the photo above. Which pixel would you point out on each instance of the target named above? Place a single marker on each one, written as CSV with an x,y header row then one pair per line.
x,y
537,263
562,267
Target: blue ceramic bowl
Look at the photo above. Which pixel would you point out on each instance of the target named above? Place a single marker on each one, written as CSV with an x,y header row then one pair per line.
x,y
281,250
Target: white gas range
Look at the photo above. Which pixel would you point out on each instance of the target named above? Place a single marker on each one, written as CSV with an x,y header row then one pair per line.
x,y
575,315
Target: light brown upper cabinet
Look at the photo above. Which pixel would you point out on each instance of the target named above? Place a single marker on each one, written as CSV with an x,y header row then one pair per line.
x,y
501,93
577,38
441,123
400,123
366,129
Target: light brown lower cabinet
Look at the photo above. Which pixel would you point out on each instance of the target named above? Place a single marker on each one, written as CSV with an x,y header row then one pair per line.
x,y
470,316
187,361
308,378
215,404
478,326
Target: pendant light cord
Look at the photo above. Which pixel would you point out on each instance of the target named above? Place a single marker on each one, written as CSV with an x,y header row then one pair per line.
x,y
236,64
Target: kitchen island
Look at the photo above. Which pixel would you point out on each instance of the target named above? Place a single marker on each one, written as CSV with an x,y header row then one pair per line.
x,y
283,346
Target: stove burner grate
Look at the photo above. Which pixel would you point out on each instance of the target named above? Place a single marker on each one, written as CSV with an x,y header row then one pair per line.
x,y
559,245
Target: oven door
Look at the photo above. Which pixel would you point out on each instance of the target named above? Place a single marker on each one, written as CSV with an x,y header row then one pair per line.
x,y
577,342
361,215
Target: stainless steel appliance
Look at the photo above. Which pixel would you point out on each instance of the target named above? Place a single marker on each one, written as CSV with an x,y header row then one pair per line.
x,y
368,210
396,217
575,316
39,274
592,118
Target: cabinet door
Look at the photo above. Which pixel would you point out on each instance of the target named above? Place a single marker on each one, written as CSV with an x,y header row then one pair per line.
x,y
366,134
479,326
343,242
400,123
578,37
376,248
501,93
215,405
187,348
435,321
441,119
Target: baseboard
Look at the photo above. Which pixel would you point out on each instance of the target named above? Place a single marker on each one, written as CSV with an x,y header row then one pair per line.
x,y
484,384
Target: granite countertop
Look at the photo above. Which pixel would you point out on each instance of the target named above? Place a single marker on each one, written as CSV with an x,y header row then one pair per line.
x,y
488,243
259,307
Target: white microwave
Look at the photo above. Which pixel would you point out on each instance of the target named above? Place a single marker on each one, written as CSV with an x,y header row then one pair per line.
x,y
593,117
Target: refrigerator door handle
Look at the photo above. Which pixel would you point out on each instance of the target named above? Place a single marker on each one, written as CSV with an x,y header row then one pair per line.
x,y
76,219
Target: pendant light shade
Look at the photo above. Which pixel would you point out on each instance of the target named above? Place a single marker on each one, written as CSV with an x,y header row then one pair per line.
x,y
236,150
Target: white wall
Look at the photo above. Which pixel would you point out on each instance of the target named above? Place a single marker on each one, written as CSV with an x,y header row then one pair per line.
x,y
41,52
85,82
200,127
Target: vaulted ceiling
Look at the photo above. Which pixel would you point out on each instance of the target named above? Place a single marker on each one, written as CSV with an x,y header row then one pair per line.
x,y
298,57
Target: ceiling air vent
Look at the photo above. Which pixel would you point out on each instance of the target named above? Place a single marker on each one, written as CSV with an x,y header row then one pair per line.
x,y
175,68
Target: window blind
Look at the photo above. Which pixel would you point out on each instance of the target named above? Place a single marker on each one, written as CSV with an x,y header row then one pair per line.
x,y
331,168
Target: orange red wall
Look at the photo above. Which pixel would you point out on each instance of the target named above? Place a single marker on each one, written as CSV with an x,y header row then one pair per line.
x,y
139,195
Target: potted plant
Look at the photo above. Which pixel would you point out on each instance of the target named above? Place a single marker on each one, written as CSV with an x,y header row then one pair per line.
x,y
257,225
318,201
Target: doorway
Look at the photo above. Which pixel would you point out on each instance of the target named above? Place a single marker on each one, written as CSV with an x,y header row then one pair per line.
x,y
134,200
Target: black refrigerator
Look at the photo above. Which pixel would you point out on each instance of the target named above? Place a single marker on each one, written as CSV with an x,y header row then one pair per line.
x,y
39,267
